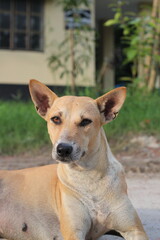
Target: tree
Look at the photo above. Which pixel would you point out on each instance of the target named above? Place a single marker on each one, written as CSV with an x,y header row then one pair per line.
x,y
75,51
142,36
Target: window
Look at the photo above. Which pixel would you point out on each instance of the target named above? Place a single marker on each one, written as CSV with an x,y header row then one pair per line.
x,y
77,18
21,24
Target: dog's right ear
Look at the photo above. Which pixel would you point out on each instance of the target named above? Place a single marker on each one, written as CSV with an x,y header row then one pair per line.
x,y
110,103
42,97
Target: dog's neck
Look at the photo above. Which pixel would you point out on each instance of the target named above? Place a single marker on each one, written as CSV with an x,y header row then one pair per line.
x,y
87,171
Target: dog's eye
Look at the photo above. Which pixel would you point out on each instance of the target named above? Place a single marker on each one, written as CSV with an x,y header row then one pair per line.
x,y
56,120
85,122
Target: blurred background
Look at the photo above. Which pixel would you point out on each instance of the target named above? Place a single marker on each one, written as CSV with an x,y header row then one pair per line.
x,y
80,47
84,47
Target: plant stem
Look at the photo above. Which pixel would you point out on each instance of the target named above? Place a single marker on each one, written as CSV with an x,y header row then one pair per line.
x,y
73,85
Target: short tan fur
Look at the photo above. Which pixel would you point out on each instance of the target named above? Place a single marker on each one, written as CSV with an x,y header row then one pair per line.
x,y
85,194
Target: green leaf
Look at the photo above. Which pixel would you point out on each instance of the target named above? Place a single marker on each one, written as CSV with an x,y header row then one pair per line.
x,y
110,22
157,58
126,31
126,19
135,39
62,74
117,16
131,54
152,24
135,21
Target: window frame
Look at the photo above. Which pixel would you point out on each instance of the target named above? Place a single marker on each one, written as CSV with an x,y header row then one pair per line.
x,y
27,31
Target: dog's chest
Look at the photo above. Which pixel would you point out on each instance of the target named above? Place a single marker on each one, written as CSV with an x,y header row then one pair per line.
x,y
97,195
98,205
98,211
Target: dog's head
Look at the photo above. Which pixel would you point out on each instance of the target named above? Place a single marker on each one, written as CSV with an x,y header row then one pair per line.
x,y
74,122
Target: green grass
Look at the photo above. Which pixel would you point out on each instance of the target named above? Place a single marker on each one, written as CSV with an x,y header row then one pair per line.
x,y
140,114
21,129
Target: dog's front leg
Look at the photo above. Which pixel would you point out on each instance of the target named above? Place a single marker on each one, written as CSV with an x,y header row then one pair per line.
x,y
75,221
135,235
126,221
135,231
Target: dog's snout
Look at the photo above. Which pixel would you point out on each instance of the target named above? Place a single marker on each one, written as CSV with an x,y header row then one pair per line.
x,y
64,149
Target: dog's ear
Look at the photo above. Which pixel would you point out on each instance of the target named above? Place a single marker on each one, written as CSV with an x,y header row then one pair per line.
x,y
42,97
110,103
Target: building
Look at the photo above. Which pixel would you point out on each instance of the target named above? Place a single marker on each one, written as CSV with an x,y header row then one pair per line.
x,y
30,32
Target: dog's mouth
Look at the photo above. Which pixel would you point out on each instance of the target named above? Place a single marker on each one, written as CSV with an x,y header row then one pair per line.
x,y
74,157
63,160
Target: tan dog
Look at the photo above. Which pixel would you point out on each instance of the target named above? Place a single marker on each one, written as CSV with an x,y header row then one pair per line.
x,y
82,197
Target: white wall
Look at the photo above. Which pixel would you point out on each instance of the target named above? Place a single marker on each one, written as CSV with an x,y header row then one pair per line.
x,y
17,67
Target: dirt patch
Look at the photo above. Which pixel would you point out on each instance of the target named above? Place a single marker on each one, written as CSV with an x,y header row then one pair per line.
x,y
139,154
27,160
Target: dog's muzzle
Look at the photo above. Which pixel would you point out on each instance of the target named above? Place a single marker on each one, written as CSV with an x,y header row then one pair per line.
x,y
64,150
67,152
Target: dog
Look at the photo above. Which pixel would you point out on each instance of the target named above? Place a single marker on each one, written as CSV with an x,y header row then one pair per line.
x,y
85,194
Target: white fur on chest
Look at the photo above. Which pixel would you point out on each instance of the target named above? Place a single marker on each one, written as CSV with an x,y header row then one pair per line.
x,y
97,192
98,200
99,212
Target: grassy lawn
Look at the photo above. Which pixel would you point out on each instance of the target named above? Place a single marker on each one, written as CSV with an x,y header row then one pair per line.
x,y
140,114
23,130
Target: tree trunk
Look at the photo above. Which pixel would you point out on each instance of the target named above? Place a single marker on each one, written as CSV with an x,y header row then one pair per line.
x,y
73,84
151,60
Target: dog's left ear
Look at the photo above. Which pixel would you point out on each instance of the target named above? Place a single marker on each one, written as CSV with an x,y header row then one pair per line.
x,y
42,97
110,103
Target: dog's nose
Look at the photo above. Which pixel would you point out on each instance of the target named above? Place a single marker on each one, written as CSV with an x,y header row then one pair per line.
x,y
64,149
